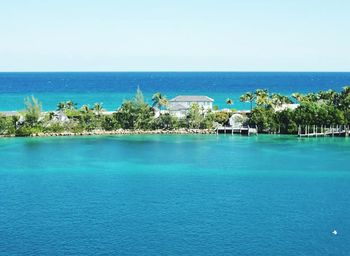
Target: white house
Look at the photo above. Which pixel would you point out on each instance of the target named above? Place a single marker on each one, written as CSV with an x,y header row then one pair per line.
x,y
179,105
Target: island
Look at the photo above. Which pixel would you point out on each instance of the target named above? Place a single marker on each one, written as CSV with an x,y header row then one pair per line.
x,y
310,114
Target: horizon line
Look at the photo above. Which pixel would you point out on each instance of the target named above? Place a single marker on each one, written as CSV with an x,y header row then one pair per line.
x,y
174,71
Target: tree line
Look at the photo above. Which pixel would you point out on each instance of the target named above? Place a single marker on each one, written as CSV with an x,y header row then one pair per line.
x,y
133,114
267,112
323,108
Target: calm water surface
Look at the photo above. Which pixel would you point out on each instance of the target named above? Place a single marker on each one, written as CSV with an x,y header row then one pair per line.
x,y
174,195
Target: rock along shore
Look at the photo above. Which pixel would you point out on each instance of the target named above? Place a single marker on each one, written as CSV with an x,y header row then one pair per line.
x,y
121,132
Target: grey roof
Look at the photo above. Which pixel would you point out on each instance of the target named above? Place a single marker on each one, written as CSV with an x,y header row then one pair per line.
x,y
177,107
191,98
59,113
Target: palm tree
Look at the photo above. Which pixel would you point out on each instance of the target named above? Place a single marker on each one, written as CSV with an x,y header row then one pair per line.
x,y
262,97
278,100
229,101
344,98
61,106
329,96
98,108
312,97
159,100
248,97
298,96
85,109
71,105
346,90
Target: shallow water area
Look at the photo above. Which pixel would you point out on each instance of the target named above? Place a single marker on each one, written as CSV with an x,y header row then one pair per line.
x,y
174,194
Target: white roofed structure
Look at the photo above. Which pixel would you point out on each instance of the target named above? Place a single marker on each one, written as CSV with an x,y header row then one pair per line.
x,y
179,105
186,98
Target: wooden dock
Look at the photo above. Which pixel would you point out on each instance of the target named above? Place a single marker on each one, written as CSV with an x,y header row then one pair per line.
x,y
322,131
237,130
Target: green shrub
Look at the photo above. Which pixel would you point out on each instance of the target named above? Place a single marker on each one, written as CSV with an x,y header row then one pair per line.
x,y
8,125
76,128
286,122
26,130
33,110
264,119
55,128
166,122
109,123
222,117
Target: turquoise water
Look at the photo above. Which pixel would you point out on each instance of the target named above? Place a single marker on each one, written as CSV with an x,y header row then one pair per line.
x,y
174,195
111,88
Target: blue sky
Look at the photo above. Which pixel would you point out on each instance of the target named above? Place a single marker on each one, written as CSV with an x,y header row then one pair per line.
x,y
155,35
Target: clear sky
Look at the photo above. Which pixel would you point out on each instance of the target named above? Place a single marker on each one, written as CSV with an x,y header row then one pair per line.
x,y
177,35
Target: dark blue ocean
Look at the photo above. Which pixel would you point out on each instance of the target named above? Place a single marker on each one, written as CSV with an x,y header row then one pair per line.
x,y
112,88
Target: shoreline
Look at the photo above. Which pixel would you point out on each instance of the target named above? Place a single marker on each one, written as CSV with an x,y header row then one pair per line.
x,y
117,132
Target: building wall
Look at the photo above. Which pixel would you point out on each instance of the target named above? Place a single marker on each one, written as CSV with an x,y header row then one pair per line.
x,y
206,105
203,104
178,113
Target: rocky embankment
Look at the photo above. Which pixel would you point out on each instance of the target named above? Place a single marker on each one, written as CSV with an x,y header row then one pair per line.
x,y
122,132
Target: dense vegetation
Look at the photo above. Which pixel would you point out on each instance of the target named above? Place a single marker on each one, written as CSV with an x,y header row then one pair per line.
x,y
325,108
133,114
267,113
